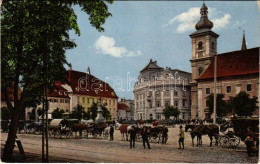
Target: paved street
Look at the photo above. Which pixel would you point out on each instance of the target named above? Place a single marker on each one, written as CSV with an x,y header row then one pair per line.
x,y
100,150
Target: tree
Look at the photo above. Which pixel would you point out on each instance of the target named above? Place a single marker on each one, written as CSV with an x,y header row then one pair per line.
x,y
78,113
243,105
171,111
57,113
220,106
92,113
5,115
30,30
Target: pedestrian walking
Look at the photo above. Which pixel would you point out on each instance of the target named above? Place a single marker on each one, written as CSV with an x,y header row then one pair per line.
x,y
133,132
249,141
181,138
145,137
111,132
164,134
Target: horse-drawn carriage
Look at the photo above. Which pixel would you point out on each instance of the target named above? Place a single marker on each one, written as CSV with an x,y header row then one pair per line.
x,y
60,127
154,134
236,130
96,130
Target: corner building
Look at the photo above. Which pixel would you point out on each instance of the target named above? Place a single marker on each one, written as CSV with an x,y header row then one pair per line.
x,y
158,88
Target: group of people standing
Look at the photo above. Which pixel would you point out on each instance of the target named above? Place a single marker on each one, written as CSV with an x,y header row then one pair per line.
x,y
145,132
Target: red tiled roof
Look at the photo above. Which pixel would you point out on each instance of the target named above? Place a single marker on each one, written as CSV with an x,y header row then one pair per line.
x,y
234,64
121,106
58,91
90,85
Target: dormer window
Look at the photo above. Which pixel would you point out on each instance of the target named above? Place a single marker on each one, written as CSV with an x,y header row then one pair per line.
x,y
60,93
200,45
64,93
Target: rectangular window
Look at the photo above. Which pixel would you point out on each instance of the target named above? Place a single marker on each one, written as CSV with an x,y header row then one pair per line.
x,y
114,101
228,89
158,104
167,104
175,93
150,104
176,104
249,87
83,99
207,91
88,100
183,102
109,102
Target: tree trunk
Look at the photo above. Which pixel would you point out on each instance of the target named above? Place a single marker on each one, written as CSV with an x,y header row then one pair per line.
x,y
10,143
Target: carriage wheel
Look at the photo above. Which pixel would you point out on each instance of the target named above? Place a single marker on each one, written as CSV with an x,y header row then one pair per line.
x,y
154,137
224,141
105,135
234,141
84,134
94,134
51,134
138,137
68,134
58,134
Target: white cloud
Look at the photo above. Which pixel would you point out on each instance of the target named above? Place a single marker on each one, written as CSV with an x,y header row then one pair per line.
x,y
221,22
187,20
106,45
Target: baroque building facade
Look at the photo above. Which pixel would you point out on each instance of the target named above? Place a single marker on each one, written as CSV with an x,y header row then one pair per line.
x,y
158,88
235,71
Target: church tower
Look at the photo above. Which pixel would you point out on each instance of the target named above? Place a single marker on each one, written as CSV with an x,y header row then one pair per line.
x,y
204,47
204,44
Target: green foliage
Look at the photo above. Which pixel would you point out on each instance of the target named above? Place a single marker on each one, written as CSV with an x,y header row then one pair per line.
x,y
243,105
32,114
171,111
5,114
30,30
221,107
92,113
78,113
57,113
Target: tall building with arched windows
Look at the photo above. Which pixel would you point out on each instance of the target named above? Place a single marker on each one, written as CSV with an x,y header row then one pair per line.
x,y
158,88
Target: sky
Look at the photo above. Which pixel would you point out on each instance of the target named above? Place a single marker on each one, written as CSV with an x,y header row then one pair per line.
x,y
142,30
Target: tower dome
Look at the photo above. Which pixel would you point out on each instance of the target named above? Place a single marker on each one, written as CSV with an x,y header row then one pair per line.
x,y
204,22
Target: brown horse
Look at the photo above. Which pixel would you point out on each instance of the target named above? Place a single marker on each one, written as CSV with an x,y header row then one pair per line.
x,y
210,130
123,131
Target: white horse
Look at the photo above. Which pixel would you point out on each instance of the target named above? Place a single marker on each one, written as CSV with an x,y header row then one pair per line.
x,y
118,125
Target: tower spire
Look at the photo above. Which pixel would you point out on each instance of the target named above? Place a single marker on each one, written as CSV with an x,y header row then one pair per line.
x,y
204,22
243,47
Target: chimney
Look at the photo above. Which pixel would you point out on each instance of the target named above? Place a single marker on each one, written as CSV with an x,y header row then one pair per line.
x,y
155,62
151,60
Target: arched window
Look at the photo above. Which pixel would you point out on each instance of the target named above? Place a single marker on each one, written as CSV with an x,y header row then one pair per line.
x,y
200,45
200,70
212,45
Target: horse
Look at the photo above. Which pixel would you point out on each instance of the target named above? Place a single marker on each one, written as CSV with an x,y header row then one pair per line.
x,y
123,131
117,125
189,126
210,130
